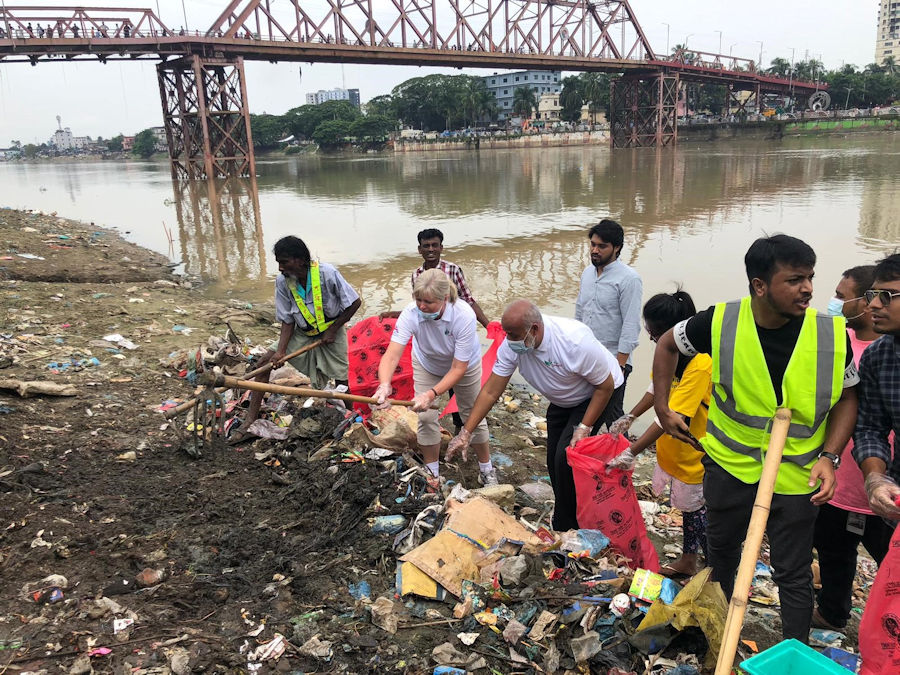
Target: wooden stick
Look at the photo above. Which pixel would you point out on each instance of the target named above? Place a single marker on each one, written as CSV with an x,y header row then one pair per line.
x,y
752,543
187,405
235,383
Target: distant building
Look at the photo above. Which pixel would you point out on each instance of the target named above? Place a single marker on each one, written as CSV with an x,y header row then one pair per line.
x,y
503,86
162,143
335,94
127,142
62,140
549,108
887,35
10,153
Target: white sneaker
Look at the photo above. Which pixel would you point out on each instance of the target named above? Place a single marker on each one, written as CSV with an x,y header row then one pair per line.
x,y
488,478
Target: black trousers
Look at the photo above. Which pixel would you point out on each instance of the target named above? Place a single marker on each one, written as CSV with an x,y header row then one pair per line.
x,y
837,558
792,518
561,423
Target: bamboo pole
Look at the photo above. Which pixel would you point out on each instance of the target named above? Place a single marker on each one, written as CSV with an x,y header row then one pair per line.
x,y
752,543
187,405
235,383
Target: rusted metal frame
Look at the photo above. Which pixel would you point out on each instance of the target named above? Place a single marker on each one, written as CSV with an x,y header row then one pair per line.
x,y
563,24
340,21
316,28
515,26
537,24
167,117
406,18
274,21
203,113
465,14
604,37
641,38
238,21
226,15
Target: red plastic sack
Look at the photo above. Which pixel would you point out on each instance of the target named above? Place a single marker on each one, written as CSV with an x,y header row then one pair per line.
x,y
495,333
879,631
366,344
607,501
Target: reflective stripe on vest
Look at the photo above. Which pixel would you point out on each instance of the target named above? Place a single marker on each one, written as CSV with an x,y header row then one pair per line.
x,y
317,323
743,399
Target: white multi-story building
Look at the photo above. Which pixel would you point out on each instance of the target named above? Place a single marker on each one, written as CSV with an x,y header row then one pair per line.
x,y
335,94
62,139
503,86
887,35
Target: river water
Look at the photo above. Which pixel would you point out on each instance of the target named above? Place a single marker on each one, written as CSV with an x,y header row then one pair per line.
x,y
515,220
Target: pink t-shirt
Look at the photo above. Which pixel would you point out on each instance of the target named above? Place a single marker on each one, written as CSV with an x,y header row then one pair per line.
x,y
850,493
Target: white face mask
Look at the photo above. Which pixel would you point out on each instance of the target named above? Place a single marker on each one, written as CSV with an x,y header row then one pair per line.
x,y
521,346
836,307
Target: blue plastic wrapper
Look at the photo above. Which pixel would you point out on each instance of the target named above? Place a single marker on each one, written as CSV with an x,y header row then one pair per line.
x,y
360,590
668,591
448,670
842,658
592,541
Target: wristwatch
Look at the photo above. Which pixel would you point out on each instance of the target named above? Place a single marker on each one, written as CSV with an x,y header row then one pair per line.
x,y
830,455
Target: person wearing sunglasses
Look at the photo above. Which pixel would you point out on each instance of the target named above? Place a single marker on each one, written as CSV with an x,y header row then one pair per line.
x,y
879,396
769,350
847,520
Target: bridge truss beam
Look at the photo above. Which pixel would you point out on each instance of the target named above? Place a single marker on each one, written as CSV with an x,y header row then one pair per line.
x,y
206,117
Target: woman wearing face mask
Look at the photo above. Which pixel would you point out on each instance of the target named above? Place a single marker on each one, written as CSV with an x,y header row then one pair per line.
x,y
446,354
678,464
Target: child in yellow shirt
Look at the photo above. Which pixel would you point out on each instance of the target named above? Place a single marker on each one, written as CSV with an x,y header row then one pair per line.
x,y
678,464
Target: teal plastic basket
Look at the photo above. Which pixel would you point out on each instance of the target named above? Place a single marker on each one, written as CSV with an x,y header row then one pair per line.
x,y
791,657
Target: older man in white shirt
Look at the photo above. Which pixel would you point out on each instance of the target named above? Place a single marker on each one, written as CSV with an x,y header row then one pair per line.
x,y
563,360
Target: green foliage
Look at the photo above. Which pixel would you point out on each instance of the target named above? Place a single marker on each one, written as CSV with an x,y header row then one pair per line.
x,y
525,101
875,85
304,121
114,144
382,106
30,150
332,134
144,144
372,128
267,130
438,102
293,150
571,98
595,90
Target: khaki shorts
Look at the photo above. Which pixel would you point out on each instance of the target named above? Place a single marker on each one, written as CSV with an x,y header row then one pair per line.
x,y
466,391
323,363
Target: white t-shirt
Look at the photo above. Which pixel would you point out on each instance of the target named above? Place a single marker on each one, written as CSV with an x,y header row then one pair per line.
x,y
437,343
567,366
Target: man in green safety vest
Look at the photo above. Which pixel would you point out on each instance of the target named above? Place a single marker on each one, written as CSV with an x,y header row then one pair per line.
x,y
769,350
312,302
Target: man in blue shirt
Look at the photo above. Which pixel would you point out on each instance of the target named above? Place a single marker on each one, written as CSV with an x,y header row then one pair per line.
x,y
879,393
609,303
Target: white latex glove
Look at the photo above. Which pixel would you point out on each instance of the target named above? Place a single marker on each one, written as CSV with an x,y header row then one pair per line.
x,y
381,396
624,460
883,495
579,433
621,425
459,443
423,401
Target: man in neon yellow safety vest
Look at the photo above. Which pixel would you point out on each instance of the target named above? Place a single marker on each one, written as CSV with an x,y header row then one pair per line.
x,y
769,350
312,302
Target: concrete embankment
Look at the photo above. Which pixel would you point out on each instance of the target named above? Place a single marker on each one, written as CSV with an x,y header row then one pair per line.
x,y
781,128
502,142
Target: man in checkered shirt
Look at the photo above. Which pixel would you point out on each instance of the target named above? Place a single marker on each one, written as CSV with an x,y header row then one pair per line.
x,y
879,393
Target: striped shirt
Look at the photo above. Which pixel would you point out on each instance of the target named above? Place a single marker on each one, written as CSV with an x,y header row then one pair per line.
x,y
456,275
879,403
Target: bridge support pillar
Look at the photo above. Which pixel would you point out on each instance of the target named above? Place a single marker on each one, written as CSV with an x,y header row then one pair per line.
x,y
206,116
644,111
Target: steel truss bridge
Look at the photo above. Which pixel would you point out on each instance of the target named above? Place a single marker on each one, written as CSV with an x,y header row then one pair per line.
x,y
203,87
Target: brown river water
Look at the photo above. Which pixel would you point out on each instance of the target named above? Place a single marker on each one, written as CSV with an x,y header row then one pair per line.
x,y
515,220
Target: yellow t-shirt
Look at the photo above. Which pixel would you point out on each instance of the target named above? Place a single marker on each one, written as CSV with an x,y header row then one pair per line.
x,y
688,396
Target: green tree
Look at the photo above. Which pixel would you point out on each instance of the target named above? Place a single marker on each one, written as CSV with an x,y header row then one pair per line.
x,y
372,128
779,67
477,101
30,150
332,134
267,130
525,101
571,98
890,64
595,88
144,144
303,121
114,144
382,106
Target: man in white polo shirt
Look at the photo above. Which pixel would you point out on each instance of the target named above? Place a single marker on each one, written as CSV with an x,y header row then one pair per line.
x,y
563,360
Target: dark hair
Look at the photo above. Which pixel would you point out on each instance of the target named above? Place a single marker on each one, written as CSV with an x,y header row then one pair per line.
x,y
664,310
430,233
291,247
862,277
887,269
610,232
781,249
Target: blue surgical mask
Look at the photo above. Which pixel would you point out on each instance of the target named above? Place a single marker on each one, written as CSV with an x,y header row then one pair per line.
x,y
430,316
835,307
520,346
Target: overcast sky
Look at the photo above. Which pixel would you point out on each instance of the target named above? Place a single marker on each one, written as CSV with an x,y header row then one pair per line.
x,y
123,97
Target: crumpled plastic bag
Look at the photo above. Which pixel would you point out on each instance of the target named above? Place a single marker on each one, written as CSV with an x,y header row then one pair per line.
x,y
701,603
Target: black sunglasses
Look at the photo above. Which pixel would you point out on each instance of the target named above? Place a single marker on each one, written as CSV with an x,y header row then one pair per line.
x,y
884,296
